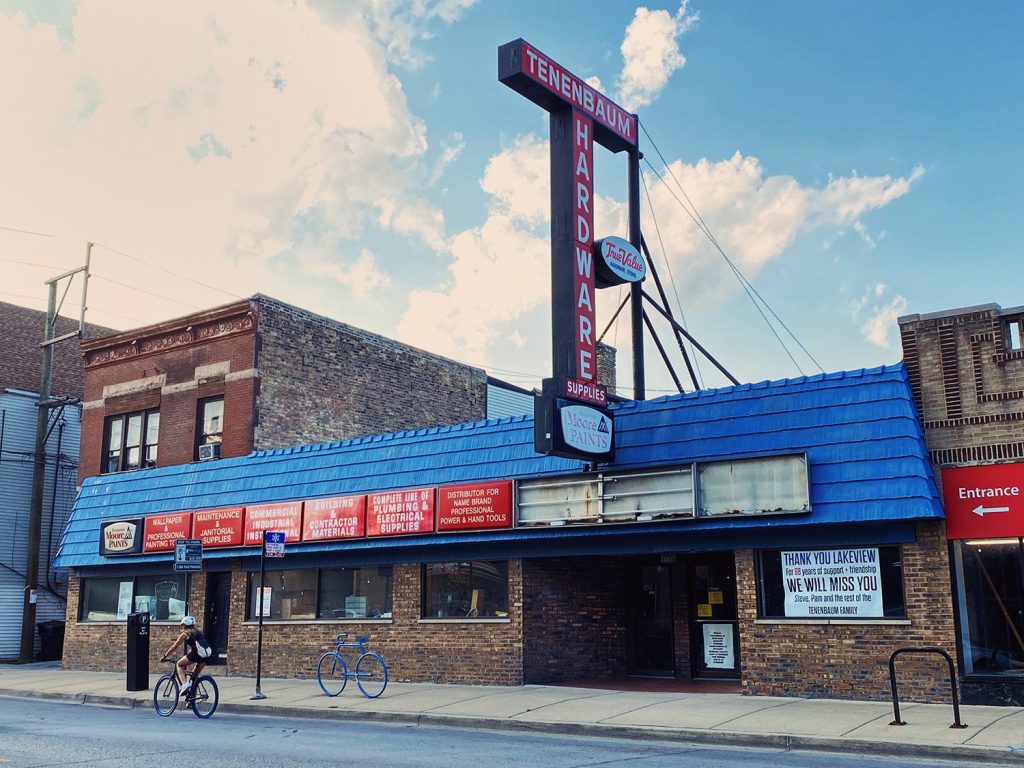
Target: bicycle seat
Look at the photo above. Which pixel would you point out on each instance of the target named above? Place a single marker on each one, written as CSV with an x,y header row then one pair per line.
x,y
362,639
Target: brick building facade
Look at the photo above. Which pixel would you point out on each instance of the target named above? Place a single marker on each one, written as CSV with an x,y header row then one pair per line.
x,y
633,568
966,371
285,377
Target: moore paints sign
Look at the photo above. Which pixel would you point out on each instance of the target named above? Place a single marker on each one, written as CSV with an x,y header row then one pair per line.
x,y
121,537
618,262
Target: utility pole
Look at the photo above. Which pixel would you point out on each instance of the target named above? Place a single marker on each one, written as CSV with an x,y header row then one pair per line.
x,y
35,519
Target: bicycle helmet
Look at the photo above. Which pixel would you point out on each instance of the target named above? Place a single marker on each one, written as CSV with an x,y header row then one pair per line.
x,y
188,621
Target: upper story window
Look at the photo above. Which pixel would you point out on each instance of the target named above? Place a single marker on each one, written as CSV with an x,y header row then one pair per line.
x,y
1014,332
210,428
130,441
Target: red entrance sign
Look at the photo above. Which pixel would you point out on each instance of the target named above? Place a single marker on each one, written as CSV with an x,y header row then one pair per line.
x,y
218,527
161,531
339,517
471,507
286,516
984,502
398,512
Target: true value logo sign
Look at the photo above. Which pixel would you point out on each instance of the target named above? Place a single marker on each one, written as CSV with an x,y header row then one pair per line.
x,y
580,116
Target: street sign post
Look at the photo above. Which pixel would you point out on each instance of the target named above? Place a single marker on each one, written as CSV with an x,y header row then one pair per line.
x,y
273,546
188,555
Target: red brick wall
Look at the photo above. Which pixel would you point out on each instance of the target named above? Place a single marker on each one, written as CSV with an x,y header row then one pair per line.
x,y
850,661
173,353
323,380
574,619
477,652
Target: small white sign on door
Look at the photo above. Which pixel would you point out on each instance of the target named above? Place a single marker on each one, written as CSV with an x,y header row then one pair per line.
x,y
718,647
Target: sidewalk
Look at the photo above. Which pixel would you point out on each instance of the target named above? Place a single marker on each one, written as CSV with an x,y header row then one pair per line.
x,y
721,719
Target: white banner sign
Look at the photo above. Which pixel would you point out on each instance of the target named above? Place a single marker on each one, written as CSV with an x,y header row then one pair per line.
x,y
832,583
718,650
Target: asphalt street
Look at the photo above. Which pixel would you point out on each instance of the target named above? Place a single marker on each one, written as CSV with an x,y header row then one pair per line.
x,y
37,733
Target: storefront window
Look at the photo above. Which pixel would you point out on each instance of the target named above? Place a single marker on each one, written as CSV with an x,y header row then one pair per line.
x,y
163,597
464,590
990,587
840,583
291,594
356,593
330,593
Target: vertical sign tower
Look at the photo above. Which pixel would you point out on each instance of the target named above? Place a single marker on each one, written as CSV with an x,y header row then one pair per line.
x,y
579,117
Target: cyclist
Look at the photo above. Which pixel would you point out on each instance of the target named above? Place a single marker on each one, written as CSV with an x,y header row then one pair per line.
x,y
190,633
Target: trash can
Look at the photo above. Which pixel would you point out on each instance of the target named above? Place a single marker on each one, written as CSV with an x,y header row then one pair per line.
x,y
51,640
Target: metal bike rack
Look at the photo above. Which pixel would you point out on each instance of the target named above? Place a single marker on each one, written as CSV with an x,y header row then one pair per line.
x,y
952,682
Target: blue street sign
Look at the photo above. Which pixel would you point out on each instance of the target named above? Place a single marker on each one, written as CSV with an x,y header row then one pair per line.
x,y
188,555
273,543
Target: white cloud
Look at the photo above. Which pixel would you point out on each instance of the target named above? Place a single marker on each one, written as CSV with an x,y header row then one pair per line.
x,y
518,180
500,274
363,276
403,25
217,141
881,326
847,198
650,52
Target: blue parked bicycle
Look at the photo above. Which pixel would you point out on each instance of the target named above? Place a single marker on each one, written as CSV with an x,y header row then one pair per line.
x,y
371,673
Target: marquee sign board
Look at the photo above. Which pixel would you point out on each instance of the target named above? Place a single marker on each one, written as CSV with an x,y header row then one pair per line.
x,y
579,117
572,429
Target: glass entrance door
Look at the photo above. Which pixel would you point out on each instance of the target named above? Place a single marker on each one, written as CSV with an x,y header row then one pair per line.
x,y
651,644
714,625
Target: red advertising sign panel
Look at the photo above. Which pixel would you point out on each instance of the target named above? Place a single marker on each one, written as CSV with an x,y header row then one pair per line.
x,y
161,531
284,516
519,59
583,231
400,512
475,506
339,517
218,527
984,502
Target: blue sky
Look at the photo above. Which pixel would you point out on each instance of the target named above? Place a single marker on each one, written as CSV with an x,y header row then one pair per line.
x,y
857,161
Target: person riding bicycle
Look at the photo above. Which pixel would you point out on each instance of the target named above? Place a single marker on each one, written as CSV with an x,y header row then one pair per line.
x,y
190,633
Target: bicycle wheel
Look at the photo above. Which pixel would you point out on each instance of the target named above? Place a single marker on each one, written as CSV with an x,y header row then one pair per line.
x,y
332,673
371,675
204,696
165,695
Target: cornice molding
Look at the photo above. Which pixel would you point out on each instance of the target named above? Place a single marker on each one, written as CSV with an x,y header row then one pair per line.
x,y
232,320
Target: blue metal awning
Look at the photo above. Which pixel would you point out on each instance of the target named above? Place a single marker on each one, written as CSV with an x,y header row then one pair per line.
x,y
867,462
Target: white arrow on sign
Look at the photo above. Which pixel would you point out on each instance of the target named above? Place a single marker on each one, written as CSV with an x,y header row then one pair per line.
x,y
981,511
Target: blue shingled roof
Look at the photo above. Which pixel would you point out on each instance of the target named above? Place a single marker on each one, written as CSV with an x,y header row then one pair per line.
x,y
866,456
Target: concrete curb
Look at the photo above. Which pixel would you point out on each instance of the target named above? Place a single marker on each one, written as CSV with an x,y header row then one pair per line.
x,y
782,742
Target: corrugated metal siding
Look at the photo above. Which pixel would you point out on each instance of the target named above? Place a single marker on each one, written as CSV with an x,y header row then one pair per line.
x,y
18,413
502,403
867,458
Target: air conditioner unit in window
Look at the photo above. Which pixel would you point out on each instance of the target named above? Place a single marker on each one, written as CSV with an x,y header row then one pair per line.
x,y
209,451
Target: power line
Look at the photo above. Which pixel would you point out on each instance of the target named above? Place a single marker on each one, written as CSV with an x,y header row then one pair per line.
x,y
29,232
744,283
143,290
671,277
167,271
31,264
